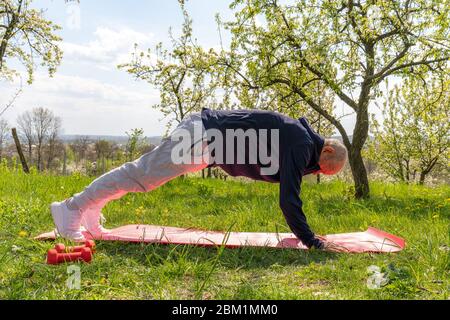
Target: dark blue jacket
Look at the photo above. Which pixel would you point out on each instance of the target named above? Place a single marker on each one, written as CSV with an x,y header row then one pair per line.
x,y
299,151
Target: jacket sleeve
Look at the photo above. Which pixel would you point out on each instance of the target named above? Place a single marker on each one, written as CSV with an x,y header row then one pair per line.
x,y
292,168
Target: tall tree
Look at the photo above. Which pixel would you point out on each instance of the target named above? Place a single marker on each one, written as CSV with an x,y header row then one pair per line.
x,y
25,124
180,74
37,127
27,36
414,137
103,150
349,47
54,146
42,124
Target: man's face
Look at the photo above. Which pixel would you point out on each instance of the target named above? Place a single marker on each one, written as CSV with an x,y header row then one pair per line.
x,y
326,172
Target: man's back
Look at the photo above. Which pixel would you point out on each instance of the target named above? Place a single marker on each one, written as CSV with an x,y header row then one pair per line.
x,y
263,124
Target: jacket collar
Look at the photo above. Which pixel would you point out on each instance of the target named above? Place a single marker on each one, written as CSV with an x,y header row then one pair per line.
x,y
319,142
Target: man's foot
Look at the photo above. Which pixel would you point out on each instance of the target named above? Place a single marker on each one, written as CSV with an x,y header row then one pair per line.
x,y
92,220
68,222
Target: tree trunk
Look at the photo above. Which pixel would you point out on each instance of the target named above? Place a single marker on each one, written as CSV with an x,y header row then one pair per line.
x,y
423,175
19,151
209,175
9,33
39,159
4,41
359,174
408,173
360,134
30,153
64,171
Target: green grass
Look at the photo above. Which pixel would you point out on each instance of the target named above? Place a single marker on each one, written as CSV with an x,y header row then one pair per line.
x,y
135,271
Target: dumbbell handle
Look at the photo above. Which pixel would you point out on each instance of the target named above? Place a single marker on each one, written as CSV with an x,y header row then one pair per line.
x,y
61,248
54,257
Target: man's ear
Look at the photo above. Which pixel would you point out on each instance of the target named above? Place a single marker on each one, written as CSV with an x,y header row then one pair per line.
x,y
328,149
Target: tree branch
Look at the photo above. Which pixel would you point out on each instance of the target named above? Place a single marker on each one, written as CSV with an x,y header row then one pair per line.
x,y
411,64
391,63
386,35
333,86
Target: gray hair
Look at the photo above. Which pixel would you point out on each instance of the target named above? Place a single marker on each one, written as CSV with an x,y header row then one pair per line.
x,y
341,151
339,157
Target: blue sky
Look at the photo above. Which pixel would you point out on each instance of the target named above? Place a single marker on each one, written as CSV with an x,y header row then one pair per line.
x,y
88,92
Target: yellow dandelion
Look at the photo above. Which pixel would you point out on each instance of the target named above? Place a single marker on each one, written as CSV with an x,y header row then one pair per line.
x,y
23,234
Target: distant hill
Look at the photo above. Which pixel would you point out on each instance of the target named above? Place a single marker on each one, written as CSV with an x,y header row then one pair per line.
x,y
123,139
117,139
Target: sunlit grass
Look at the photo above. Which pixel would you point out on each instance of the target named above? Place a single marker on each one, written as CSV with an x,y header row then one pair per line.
x,y
421,215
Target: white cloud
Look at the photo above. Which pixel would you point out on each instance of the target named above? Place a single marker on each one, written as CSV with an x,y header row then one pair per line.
x,y
89,100
89,106
90,88
108,48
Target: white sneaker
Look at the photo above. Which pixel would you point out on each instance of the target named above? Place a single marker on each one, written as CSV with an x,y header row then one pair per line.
x,y
68,222
92,220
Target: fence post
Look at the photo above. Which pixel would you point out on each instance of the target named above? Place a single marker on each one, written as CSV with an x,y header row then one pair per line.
x,y
19,151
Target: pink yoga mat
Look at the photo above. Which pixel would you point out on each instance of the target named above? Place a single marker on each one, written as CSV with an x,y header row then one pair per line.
x,y
372,240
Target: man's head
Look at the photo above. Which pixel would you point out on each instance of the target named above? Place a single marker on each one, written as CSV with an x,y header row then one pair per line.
x,y
333,157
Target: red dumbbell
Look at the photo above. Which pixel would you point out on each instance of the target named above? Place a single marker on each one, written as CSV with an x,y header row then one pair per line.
x,y
54,257
61,248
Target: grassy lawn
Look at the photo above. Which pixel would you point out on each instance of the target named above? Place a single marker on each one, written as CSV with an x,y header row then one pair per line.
x,y
133,271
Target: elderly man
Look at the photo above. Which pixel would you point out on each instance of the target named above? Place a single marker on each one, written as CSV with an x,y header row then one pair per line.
x,y
292,151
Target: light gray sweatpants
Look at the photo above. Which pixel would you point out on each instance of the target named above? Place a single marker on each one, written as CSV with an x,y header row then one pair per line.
x,y
149,171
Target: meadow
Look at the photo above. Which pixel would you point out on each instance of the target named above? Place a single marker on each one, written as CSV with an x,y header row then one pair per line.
x,y
419,214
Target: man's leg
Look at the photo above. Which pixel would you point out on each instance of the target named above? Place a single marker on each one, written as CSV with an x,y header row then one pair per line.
x,y
145,174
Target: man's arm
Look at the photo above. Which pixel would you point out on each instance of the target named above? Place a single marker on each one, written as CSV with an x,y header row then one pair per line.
x,y
293,163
